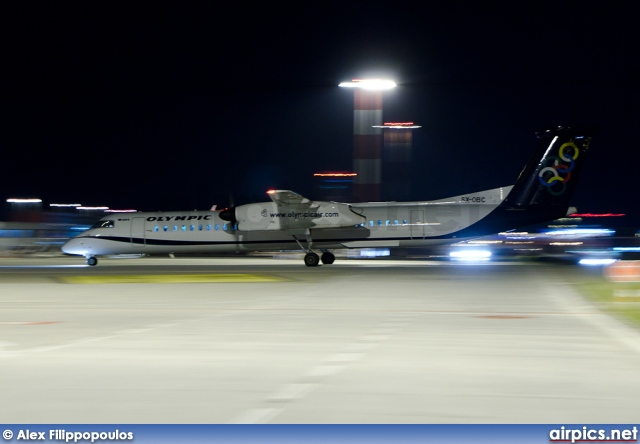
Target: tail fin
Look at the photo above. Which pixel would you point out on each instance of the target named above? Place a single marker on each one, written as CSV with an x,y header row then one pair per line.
x,y
550,176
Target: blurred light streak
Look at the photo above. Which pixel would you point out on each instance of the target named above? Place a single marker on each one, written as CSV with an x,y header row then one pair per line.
x,y
594,262
17,200
597,215
590,252
581,232
43,266
484,242
408,125
471,254
374,252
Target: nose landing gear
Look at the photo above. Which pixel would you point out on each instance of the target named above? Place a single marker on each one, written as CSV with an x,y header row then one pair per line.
x,y
92,261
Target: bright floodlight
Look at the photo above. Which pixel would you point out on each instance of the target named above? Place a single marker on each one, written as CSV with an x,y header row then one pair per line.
x,y
370,84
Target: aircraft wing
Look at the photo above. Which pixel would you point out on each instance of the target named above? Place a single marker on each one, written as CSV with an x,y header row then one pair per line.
x,y
287,197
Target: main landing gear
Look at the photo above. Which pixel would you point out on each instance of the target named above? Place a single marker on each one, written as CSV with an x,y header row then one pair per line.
x,y
327,258
312,259
92,261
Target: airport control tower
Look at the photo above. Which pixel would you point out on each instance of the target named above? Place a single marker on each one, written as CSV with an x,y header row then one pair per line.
x,y
396,160
367,137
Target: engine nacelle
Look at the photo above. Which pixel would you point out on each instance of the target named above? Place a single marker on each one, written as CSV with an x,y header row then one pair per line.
x,y
272,216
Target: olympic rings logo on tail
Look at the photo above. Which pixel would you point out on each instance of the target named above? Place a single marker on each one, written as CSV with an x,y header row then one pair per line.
x,y
558,172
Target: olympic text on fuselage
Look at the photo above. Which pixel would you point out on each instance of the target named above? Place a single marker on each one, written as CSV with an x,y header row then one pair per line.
x,y
175,218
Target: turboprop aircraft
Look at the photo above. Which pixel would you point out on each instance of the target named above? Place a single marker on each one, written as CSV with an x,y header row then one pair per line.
x,y
290,221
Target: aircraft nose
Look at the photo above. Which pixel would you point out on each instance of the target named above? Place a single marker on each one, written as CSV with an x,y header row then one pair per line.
x,y
74,246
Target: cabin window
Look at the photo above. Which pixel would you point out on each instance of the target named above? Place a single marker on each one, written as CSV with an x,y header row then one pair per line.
x,y
175,228
217,227
379,223
395,222
371,223
156,228
387,223
165,228
184,228
224,227
208,227
404,222
200,227
192,227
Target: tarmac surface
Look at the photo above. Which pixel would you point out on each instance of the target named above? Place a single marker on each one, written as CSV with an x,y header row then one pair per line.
x,y
251,340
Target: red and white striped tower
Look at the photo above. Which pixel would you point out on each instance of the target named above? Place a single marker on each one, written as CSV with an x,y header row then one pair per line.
x,y
367,140
396,160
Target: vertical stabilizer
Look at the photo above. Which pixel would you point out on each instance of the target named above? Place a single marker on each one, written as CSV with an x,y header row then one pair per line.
x,y
550,177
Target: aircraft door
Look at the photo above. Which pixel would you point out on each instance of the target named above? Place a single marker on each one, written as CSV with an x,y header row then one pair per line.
x,y
137,231
417,224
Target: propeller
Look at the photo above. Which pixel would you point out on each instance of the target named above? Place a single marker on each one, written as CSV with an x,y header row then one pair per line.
x,y
229,213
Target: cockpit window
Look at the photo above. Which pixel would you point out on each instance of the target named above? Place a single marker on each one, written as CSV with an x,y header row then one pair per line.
x,y
103,224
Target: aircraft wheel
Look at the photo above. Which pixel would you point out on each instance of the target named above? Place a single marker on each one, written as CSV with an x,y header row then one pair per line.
x,y
327,258
92,261
311,259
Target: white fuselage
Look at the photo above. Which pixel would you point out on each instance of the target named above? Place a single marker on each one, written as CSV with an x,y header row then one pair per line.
x,y
290,221
387,224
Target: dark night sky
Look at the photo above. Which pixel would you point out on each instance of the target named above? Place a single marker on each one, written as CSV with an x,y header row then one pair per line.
x,y
180,107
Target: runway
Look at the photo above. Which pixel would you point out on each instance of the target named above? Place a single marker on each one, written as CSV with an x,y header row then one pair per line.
x,y
247,340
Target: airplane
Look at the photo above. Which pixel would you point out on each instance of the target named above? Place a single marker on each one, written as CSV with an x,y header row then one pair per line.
x,y
290,221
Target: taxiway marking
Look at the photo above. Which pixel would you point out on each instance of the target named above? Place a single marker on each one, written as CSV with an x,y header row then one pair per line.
x,y
169,279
